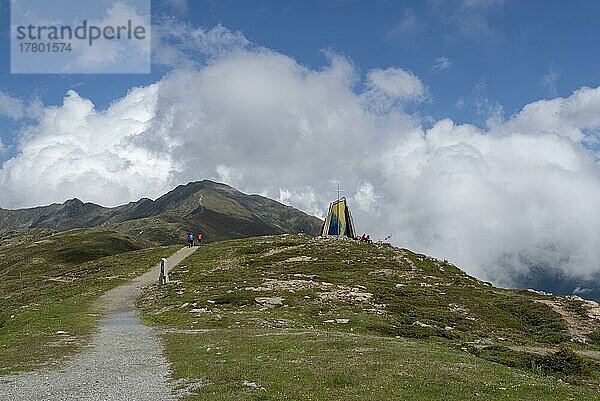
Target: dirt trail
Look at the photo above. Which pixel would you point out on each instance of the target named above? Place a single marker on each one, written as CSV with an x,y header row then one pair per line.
x,y
579,327
124,361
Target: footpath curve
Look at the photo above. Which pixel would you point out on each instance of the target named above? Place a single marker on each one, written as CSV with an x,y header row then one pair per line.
x,y
123,362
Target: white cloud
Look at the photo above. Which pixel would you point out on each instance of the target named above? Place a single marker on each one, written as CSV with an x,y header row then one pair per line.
x,y
496,202
442,63
11,107
524,192
305,197
566,117
396,84
365,198
105,54
77,151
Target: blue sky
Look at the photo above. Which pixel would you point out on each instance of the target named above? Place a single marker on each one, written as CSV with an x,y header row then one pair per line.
x,y
500,50
468,129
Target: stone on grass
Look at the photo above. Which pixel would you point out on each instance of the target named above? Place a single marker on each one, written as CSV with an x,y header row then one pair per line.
x,y
269,301
253,385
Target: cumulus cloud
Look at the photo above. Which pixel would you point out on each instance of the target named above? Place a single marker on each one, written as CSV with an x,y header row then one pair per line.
x,y
395,84
521,193
77,151
571,117
498,202
11,107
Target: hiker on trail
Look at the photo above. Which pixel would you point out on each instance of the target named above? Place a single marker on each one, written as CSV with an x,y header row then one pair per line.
x,y
199,238
190,240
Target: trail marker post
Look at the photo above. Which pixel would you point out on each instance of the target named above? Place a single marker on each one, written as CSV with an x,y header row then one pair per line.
x,y
163,278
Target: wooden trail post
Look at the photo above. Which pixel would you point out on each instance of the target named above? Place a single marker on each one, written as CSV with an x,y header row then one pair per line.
x,y
164,272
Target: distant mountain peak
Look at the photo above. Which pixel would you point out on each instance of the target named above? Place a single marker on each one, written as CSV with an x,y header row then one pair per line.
x,y
73,201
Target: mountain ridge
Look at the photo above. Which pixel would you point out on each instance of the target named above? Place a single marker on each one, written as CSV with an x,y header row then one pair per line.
x,y
217,210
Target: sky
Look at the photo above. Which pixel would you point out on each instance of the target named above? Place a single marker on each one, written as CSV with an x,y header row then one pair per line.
x,y
466,129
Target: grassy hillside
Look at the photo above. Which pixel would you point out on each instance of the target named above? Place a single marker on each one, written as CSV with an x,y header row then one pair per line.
x,y
49,282
297,317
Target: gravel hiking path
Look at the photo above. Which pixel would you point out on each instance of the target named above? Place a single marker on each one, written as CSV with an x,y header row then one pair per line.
x,y
123,362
